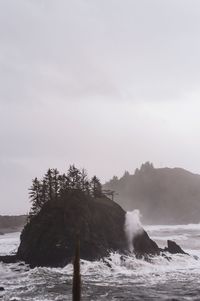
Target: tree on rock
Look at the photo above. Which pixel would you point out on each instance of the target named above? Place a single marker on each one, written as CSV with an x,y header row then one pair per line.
x,y
35,196
96,187
54,187
49,181
74,176
55,183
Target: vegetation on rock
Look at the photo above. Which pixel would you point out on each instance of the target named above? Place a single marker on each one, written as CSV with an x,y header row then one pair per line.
x,y
54,185
63,205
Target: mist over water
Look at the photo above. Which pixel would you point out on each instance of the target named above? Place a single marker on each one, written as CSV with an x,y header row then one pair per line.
x,y
132,226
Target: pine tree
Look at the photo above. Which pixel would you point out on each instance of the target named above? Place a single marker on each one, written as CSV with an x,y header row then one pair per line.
x,y
96,187
84,180
74,176
35,196
55,183
43,192
49,181
63,184
87,188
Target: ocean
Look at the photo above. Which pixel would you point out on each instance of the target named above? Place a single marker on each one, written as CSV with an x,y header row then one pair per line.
x,y
113,278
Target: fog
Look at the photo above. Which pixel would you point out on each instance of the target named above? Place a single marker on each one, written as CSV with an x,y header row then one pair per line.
x,y
105,85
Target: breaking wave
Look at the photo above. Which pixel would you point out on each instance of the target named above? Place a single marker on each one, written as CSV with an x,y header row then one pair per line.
x,y
114,277
132,226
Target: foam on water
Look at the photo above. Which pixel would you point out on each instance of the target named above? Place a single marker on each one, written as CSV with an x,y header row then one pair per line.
x,y
114,277
9,243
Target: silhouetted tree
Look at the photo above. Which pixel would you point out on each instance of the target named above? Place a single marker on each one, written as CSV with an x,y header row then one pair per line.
x,y
147,167
87,187
126,174
55,183
74,176
83,180
43,192
96,187
49,181
63,184
53,186
35,196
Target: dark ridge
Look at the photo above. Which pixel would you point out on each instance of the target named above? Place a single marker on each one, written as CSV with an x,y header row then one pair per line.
x,y
163,195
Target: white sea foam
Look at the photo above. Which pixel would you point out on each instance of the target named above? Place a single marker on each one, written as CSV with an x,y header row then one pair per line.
x,y
9,243
103,275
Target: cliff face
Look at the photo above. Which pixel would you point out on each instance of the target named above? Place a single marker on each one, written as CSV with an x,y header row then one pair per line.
x,y
163,195
49,238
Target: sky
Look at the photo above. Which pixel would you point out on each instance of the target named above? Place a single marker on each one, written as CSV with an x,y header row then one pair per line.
x,y
105,85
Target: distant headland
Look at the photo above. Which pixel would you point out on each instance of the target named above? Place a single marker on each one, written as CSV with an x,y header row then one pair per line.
x,y
163,195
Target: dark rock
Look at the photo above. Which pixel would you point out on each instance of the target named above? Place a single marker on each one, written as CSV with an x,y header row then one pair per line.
x,y
173,248
8,259
107,263
166,257
21,264
2,289
48,239
143,245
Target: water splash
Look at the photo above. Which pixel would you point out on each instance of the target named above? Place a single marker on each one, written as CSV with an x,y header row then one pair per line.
x,y
132,226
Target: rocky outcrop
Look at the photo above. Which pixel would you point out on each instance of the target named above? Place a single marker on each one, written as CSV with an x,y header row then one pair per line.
x,y
49,238
143,245
173,248
8,259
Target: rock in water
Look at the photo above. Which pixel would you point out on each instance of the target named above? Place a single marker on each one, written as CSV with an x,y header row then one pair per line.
x,y
173,248
8,258
143,245
48,239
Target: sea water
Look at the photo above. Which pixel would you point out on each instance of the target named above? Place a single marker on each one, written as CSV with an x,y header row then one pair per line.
x,y
113,278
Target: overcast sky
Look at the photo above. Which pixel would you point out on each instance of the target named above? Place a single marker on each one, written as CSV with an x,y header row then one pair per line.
x,y
104,84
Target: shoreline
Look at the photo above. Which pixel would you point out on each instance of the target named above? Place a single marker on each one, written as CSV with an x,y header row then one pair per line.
x,y
4,231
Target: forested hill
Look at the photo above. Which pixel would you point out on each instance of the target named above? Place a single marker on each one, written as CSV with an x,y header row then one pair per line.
x,y
12,223
163,195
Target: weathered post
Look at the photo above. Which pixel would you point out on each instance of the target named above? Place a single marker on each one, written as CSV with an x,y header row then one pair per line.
x,y
76,289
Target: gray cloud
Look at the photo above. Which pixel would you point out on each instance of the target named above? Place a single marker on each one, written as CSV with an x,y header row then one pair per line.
x,y
105,84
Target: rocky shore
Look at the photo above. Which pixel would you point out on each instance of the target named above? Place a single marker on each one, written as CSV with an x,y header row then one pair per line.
x,y
48,239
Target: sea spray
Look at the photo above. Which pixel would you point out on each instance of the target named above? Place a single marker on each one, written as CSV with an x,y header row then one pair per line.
x,y
132,226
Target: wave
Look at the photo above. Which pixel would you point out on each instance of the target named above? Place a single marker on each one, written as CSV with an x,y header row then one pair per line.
x,y
118,266
180,237
172,227
113,271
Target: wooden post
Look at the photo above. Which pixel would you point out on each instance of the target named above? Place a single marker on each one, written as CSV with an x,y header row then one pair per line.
x,y
76,289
